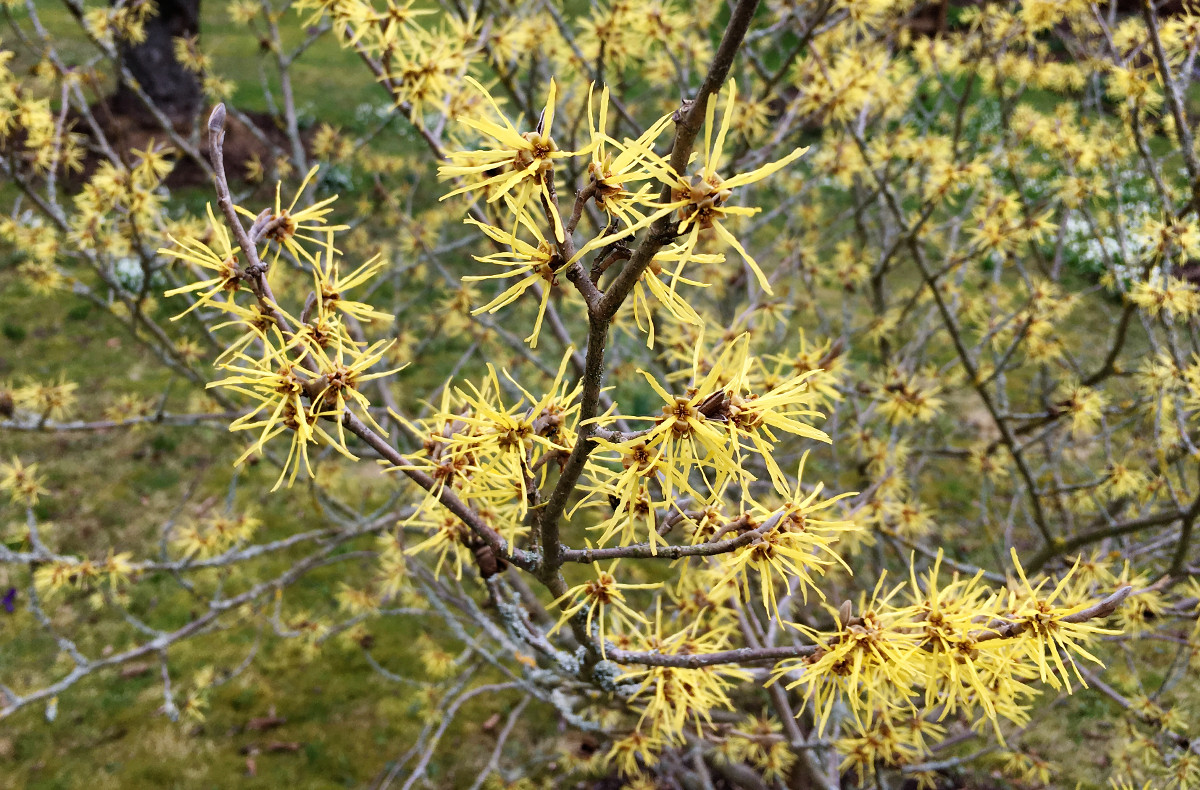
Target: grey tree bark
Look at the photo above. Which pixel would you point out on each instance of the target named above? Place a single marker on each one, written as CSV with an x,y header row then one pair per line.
x,y
152,63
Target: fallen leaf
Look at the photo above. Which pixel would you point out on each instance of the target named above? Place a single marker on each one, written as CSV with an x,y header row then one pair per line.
x,y
265,723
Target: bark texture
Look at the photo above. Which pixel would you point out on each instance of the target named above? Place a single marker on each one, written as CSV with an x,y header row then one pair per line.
x,y
154,67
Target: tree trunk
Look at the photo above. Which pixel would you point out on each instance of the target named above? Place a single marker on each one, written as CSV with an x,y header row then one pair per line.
x,y
152,64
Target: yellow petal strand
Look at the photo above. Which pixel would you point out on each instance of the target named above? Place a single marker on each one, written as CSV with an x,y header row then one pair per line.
x,y
766,170
737,245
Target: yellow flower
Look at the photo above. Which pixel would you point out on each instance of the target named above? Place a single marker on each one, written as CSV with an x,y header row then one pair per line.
x,y
51,401
702,199
533,264
1084,405
674,696
391,20
629,753
758,417
502,444
22,482
356,602
289,227
596,596
1167,294
340,379
863,662
825,360
650,284
222,261
611,173
448,540
59,574
280,387
888,740
190,56
905,398
950,649
688,438
154,164
791,548
525,160
117,567
1048,636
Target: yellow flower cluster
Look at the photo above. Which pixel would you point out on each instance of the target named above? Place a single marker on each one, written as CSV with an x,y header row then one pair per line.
x,y
49,401
215,534
957,648
700,449
518,169
491,455
424,63
116,570
296,371
21,481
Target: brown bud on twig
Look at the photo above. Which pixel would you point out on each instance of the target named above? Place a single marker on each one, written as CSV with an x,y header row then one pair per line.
x,y
486,560
685,106
835,350
1102,608
715,406
216,121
